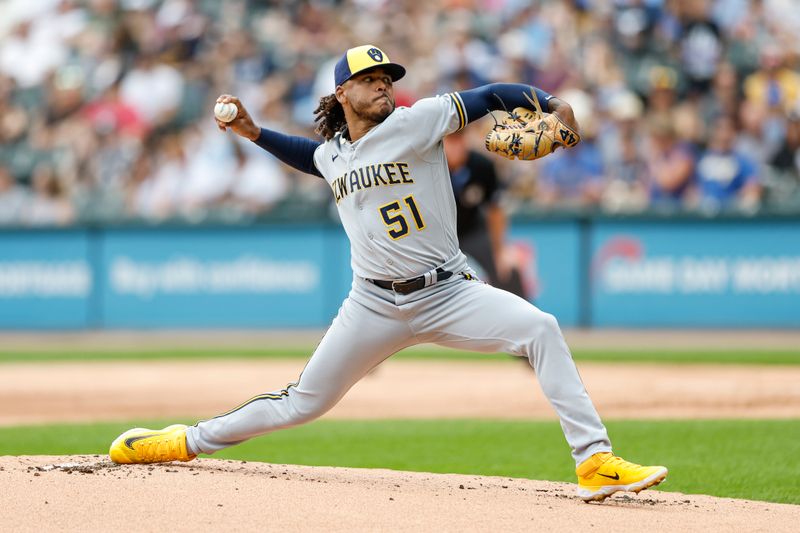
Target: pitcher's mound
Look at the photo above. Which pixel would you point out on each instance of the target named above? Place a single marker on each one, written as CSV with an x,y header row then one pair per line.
x,y
89,493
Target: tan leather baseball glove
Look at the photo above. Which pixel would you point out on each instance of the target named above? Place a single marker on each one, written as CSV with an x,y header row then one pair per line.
x,y
530,134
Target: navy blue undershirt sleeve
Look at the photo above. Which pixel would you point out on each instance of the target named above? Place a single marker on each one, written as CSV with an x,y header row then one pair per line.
x,y
478,102
297,152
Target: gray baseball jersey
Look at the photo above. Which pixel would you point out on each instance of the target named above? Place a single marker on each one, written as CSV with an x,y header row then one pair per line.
x,y
393,191
396,203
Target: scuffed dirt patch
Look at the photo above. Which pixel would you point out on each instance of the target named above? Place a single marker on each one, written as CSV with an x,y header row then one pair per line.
x,y
89,493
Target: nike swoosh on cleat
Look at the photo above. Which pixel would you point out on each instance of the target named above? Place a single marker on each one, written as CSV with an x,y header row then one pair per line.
x,y
129,441
614,477
333,157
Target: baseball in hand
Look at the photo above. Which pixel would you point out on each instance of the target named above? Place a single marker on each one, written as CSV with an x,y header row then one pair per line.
x,y
225,112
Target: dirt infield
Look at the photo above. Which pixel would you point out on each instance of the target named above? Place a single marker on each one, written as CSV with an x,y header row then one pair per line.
x,y
83,391
90,391
88,493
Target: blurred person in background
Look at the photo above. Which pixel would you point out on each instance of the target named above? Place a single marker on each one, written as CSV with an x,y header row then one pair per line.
x,y
662,95
601,67
250,68
744,39
752,136
774,87
647,36
153,88
109,113
157,195
723,98
49,204
726,178
700,43
664,99
770,93
63,93
14,120
670,165
258,183
34,147
13,198
31,52
460,53
108,135
574,178
786,162
625,190
208,173
301,91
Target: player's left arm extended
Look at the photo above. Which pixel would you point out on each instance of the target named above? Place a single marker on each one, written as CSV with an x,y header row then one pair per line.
x,y
493,97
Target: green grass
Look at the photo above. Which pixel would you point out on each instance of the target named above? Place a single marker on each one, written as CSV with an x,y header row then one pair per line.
x,y
758,357
753,459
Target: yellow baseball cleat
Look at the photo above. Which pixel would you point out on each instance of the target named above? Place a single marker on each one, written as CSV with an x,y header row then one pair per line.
x,y
140,445
603,474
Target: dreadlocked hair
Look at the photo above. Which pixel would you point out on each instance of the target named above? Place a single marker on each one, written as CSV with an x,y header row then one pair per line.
x,y
329,116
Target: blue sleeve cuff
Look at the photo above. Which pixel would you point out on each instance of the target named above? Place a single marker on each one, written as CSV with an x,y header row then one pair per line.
x,y
479,102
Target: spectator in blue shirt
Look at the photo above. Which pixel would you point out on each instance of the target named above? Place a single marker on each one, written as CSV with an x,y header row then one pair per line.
x,y
576,177
572,178
726,178
669,165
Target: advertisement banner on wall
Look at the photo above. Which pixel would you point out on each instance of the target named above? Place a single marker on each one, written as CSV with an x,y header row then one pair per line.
x,y
714,274
630,274
547,255
234,277
45,279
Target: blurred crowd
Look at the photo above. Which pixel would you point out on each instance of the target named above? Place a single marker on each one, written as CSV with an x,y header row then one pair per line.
x,y
106,105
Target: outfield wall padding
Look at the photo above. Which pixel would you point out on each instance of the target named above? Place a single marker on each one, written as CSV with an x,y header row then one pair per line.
x,y
598,273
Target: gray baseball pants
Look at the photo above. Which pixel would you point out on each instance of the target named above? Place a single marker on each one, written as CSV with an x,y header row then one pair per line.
x,y
374,323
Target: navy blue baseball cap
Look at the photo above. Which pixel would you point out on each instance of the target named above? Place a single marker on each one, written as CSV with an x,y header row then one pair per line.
x,y
363,58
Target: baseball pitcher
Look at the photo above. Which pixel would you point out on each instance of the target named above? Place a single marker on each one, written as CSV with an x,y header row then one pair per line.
x,y
411,284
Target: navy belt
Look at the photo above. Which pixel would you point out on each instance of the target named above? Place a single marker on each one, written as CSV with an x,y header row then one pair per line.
x,y
412,285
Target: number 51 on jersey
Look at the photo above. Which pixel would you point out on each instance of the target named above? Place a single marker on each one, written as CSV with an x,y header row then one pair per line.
x,y
395,219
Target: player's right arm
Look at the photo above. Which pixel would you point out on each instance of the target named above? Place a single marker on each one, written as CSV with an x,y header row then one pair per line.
x,y
297,152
